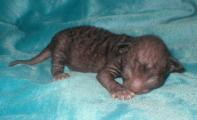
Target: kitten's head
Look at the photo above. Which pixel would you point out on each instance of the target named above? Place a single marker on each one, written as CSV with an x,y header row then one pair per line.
x,y
147,63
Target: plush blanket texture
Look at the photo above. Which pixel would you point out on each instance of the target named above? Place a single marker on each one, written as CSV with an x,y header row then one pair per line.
x,y
29,92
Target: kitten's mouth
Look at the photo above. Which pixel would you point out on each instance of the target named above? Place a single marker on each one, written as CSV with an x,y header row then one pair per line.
x,y
138,89
142,91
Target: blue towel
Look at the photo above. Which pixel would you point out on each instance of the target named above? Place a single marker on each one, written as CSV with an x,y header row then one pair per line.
x,y
29,92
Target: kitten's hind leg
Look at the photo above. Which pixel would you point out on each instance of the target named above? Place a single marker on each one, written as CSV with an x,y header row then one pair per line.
x,y
57,70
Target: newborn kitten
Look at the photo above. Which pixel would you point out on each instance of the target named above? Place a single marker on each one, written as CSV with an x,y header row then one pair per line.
x,y
143,62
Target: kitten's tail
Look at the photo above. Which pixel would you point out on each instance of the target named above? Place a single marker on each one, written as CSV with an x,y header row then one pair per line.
x,y
43,55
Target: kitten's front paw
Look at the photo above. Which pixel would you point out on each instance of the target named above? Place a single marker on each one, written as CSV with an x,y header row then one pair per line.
x,y
122,93
61,76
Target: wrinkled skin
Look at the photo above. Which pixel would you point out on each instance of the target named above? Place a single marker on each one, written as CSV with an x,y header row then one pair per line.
x,y
143,62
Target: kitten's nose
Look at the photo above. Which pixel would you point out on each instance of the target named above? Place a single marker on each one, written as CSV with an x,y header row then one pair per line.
x,y
136,86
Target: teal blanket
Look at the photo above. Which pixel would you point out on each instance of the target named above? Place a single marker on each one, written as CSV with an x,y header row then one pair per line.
x,y
29,92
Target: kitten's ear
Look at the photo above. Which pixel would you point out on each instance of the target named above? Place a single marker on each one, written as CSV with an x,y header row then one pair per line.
x,y
123,47
175,65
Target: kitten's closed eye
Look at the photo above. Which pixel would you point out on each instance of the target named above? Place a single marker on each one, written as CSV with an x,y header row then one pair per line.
x,y
147,67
